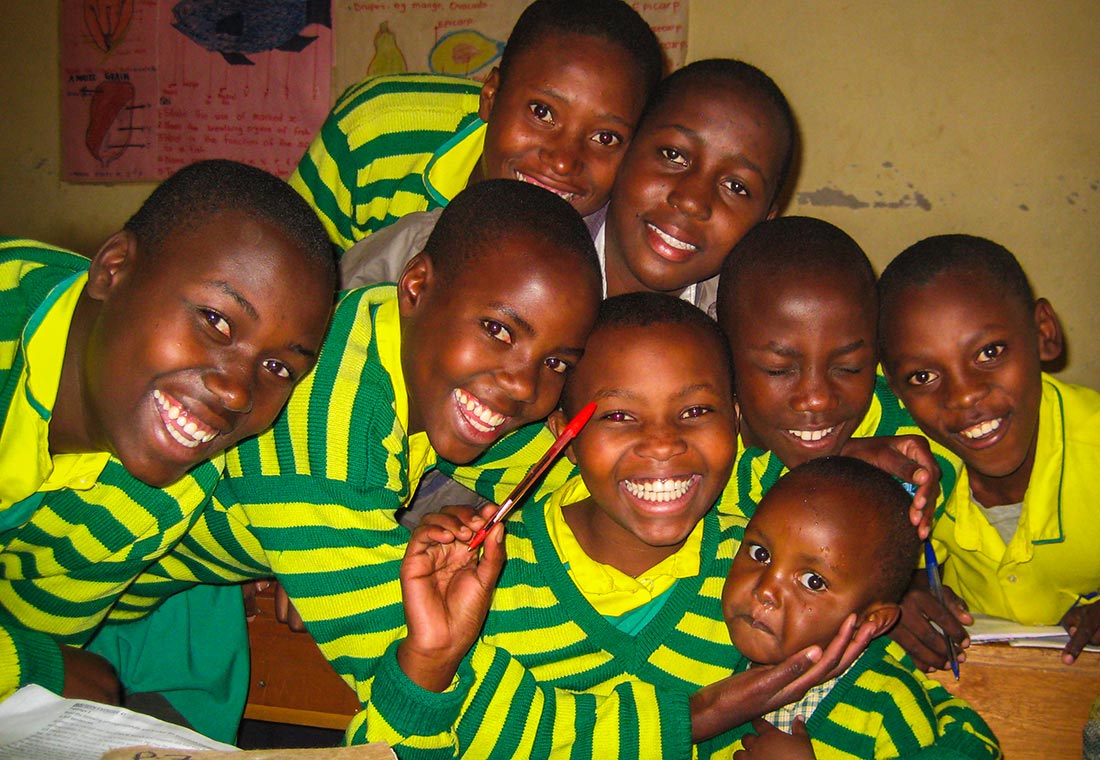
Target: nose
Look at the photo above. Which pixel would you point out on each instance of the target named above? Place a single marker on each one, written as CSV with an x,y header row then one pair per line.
x,y
519,381
561,155
661,442
691,195
813,393
232,384
765,592
965,389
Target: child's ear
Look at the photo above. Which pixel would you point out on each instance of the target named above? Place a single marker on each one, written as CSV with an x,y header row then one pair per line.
x,y
1049,329
111,264
413,284
773,212
882,616
488,94
557,422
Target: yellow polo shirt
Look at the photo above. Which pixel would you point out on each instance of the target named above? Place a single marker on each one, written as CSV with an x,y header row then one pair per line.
x,y
1053,560
26,466
614,594
422,456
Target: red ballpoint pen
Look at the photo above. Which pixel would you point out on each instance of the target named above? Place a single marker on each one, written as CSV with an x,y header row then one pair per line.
x,y
522,487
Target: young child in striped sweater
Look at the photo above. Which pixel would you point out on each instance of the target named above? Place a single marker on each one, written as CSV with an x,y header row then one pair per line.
x,y
122,380
613,583
558,112
831,539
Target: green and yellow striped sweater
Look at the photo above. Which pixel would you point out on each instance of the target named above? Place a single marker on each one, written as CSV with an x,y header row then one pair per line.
x,y
65,562
390,146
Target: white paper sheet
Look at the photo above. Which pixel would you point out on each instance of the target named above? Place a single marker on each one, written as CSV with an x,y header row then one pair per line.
x,y
36,724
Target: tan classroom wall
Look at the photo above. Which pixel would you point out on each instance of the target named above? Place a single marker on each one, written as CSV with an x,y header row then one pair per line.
x,y
917,118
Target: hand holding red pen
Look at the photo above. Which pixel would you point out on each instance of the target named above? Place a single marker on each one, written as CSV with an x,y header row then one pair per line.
x,y
446,592
517,494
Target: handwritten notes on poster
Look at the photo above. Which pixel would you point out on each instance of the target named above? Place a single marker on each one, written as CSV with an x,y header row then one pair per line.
x,y
149,86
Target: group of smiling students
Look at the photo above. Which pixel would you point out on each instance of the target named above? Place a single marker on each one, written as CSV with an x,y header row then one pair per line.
x,y
187,408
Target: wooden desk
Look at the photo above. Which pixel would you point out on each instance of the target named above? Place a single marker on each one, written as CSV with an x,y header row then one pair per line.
x,y
1035,704
291,681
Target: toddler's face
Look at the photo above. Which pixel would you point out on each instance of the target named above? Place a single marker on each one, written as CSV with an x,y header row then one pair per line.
x,y
963,357
201,345
800,571
562,118
660,447
487,351
804,364
700,173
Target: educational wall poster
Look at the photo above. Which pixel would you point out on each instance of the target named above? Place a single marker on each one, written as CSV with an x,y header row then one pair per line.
x,y
148,86
461,38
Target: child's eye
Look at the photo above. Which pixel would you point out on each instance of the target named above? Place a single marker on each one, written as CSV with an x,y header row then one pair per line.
x,y
608,139
921,377
813,581
759,553
542,112
616,416
777,371
990,352
694,412
217,321
497,330
277,368
673,156
558,365
735,187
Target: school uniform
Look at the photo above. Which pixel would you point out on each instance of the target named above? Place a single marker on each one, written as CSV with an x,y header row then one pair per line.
x,y
1052,560
75,529
391,145
883,707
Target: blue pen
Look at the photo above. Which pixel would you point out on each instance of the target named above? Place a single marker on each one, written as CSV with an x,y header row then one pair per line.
x,y
932,567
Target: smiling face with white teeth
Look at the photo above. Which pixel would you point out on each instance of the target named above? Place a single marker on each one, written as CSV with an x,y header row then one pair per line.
x,y
702,170
189,348
562,118
659,449
964,354
804,361
485,350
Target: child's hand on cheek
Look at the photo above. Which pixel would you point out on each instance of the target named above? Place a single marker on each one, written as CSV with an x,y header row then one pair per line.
x,y
446,591
1083,624
770,742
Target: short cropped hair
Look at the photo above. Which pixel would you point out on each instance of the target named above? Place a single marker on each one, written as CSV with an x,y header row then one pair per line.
x,y
484,214
777,247
187,199
738,73
645,309
925,260
879,502
612,20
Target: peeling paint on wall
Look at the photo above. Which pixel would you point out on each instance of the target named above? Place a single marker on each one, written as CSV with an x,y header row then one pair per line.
x,y
831,196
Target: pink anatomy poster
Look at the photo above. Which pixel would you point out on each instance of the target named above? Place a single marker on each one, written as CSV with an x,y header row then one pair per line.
x,y
148,86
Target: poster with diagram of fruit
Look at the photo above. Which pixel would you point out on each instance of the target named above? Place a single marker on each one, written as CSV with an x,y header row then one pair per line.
x,y
461,38
148,86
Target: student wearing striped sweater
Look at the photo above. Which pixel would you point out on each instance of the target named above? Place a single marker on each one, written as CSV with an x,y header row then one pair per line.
x,y
122,379
612,582
829,540
558,112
